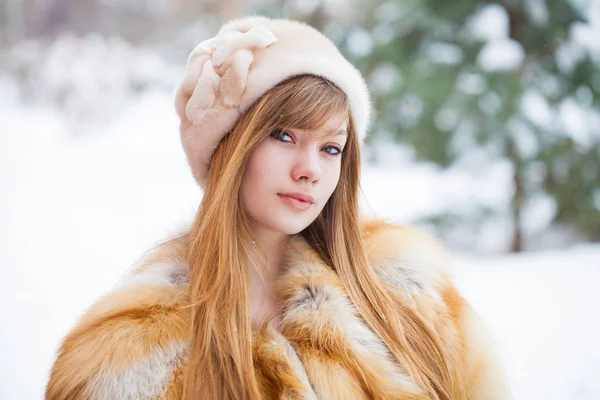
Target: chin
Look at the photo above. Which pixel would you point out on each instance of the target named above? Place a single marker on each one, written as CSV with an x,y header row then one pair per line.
x,y
290,225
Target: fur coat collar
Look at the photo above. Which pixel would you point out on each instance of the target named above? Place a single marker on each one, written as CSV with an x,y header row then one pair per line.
x,y
133,343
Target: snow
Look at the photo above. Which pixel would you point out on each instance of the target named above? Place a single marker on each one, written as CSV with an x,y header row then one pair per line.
x,y
490,103
540,308
536,108
445,53
501,55
597,199
75,215
489,23
538,11
471,83
578,123
587,33
538,212
409,108
525,138
359,42
568,55
305,7
384,77
89,78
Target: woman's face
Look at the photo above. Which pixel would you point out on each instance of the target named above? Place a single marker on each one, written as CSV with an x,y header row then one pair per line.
x,y
287,165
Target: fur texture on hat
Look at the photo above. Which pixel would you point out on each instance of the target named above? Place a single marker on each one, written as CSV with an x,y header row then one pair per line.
x,y
228,73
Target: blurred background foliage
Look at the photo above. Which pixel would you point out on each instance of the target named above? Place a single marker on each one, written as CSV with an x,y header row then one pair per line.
x,y
460,84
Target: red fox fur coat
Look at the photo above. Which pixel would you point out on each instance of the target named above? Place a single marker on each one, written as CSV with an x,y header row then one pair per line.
x,y
133,343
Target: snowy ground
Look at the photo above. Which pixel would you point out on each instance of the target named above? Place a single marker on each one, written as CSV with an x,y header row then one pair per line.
x,y
75,213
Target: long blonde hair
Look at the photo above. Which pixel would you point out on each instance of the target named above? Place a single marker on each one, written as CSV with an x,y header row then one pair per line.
x,y
220,362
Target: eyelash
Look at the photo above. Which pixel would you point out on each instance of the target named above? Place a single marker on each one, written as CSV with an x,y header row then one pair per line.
x,y
278,133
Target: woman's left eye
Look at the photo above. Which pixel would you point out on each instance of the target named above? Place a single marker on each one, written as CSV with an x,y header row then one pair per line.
x,y
332,150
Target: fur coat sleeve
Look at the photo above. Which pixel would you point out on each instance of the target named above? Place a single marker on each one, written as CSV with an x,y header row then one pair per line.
x,y
133,343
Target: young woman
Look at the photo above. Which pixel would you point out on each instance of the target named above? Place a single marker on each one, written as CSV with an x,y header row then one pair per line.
x,y
279,290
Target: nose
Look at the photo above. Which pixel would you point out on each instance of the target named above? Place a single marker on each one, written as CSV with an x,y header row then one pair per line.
x,y
307,166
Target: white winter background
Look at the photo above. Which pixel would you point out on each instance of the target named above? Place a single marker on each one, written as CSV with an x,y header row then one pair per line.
x,y
86,191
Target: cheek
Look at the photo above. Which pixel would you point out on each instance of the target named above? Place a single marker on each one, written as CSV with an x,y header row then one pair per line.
x,y
332,179
263,166
329,182
260,176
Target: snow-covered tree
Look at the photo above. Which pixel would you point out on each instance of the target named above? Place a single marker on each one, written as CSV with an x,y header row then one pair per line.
x,y
475,81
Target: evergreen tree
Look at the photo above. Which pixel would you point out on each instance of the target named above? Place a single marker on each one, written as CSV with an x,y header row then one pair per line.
x,y
448,87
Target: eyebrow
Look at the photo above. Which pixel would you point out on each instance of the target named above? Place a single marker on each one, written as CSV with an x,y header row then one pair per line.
x,y
342,132
332,133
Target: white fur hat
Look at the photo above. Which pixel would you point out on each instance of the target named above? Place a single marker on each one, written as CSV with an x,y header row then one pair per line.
x,y
229,72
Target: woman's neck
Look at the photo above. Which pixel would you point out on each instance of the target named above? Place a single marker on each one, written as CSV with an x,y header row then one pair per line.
x,y
263,302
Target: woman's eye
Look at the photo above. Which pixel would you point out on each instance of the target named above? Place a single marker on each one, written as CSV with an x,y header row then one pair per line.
x,y
278,134
333,150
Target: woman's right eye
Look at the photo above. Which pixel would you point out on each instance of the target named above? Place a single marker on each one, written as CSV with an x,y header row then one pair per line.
x,y
279,134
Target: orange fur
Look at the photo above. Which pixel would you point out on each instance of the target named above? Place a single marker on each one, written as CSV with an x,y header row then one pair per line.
x,y
174,390
324,350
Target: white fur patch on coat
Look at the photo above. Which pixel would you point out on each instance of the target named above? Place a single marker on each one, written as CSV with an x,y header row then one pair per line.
x,y
146,379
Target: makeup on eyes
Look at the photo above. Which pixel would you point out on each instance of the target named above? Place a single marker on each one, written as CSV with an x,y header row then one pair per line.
x,y
278,133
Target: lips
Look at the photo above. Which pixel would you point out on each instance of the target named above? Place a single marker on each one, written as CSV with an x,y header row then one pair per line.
x,y
298,201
